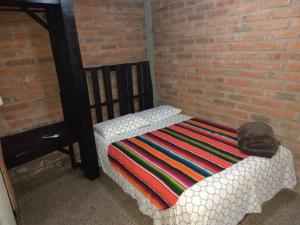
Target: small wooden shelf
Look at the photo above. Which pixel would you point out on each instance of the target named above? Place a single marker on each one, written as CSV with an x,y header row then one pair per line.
x,y
26,146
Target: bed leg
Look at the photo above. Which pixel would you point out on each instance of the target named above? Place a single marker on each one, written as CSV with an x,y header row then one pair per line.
x,y
72,157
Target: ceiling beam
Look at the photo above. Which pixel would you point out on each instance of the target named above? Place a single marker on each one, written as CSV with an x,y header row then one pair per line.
x,y
17,9
29,3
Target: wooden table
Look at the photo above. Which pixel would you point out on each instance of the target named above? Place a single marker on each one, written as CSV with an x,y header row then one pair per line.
x,y
29,145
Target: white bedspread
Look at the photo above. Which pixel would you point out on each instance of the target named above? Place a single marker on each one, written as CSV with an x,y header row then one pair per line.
x,y
222,199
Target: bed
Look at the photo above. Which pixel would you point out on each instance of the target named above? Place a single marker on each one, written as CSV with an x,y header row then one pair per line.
x,y
222,198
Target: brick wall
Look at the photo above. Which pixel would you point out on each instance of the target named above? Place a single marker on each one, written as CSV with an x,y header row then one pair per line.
x,y
28,81
232,61
109,32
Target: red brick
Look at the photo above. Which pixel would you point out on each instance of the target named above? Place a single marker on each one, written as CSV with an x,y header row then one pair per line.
x,y
251,108
215,13
252,74
267,84
265,102
239,82
295,23
257,16
3,83
222,3
295,45
226,55
293,87
237,114
20,62
240,64
217,47
253,37
215,79
14,108
242,46
287,34
285,115
291,126
289,12
271,65
275,3
251,91
283,75
245,8
252,55
11,91
16,124
273,24
292,106
294,66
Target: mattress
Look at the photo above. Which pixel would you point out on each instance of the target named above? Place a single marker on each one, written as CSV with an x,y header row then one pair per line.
x,y
222,199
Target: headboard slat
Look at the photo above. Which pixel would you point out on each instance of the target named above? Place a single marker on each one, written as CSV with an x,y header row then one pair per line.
x,y
122,89
149,89
130,88
108,92
97,97
140,85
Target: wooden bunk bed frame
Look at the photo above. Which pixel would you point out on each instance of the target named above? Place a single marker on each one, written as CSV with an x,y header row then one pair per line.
x,y
77,110
60,22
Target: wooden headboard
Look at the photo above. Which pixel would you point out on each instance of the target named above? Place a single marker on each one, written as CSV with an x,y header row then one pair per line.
x,y
122,93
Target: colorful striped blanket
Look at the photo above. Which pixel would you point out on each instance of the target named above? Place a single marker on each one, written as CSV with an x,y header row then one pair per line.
x,y
162,164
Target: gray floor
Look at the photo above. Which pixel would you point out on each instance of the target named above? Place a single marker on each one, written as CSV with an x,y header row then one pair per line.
x,y
65,198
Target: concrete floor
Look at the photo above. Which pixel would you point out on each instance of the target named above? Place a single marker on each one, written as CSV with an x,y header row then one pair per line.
x,y
65,198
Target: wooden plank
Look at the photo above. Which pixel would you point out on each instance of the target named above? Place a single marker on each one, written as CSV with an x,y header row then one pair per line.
x,y
97,97
149,93
17,9
114,102
112,67
88,153
60,52
29,3
129,84
35,17
108,92
122,90
140,80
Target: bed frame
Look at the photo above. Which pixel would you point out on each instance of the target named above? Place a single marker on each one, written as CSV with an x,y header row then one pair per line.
x,y
125,84
59,21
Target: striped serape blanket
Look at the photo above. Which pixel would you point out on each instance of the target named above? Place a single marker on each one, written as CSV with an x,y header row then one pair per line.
x,y
162,164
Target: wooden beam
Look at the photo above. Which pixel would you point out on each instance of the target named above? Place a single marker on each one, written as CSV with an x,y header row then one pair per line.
x,y
60,56
17,9
108,92
29,3
35,17
81,103
96,91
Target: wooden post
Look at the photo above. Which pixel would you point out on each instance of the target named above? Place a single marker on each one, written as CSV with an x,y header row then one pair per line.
x,y
74,92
